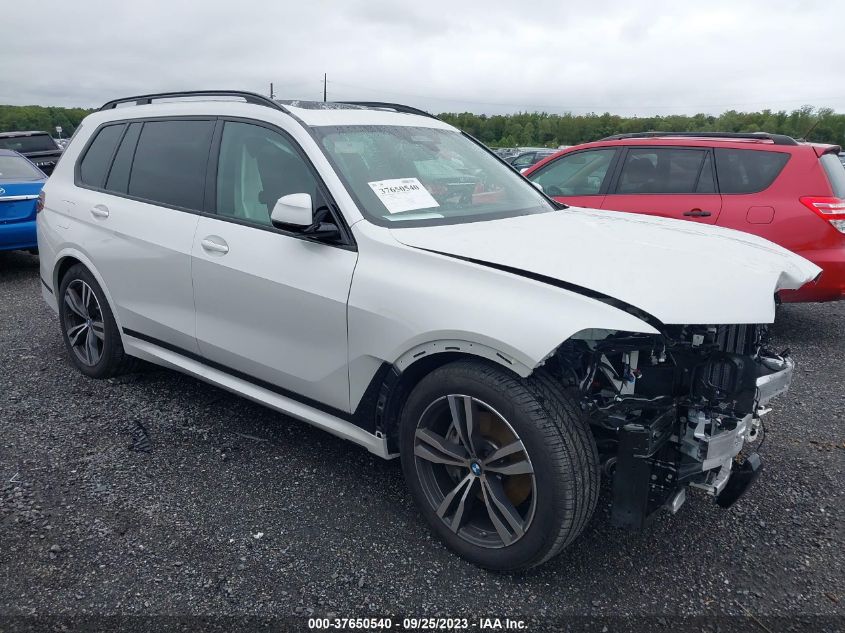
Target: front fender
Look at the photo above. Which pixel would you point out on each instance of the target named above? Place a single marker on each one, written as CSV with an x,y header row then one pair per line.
x,y
407,302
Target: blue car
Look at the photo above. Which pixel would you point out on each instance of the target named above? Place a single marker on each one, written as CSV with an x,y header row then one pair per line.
x,y
20,184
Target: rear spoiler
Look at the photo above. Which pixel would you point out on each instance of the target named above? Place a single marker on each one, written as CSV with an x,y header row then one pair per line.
x,y
821,150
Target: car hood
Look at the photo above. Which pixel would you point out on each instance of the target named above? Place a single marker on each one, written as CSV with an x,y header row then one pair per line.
x,y
677,271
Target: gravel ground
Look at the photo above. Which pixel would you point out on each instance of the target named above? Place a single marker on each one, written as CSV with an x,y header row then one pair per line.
x,y
239,511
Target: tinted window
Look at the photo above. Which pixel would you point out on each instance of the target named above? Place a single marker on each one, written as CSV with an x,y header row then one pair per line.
x,y
170,161
16,168
661,170
257,166
747,170
706,182
95,163
118,179
526,160
835,171
32,143
577,174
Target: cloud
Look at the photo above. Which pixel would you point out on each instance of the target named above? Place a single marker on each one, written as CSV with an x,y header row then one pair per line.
x,y
604,55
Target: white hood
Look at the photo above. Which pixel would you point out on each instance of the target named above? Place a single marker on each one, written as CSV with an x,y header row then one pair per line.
x,y
680,272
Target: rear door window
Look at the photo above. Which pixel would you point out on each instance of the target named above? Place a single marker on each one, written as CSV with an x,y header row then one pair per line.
x,y
95,164
648,170
747,170
835,171
170,163
118,179
706,181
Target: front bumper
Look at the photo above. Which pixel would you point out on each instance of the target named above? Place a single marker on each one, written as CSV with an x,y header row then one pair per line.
x,y
772,385
659,460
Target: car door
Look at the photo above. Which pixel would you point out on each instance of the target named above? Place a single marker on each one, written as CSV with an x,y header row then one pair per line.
x,y
141,186
270,304
671,182
577,178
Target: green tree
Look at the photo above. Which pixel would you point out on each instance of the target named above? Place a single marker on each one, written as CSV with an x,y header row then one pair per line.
x,y
550,130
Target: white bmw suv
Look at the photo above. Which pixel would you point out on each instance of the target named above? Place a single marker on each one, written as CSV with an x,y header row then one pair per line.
x,y
371,270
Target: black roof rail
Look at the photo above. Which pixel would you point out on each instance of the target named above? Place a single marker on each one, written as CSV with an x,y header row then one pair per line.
x,y
249,97
777,139
396,107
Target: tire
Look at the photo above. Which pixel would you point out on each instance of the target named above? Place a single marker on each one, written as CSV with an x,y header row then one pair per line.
x,y
462,492
87,323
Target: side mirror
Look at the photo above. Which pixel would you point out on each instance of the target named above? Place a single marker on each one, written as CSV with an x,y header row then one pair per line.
x,y
295,209
324,231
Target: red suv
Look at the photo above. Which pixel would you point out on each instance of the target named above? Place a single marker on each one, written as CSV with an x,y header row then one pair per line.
x,y
768,184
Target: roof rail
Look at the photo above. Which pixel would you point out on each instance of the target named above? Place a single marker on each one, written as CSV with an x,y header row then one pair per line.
x,y
249,97
396,107
777,139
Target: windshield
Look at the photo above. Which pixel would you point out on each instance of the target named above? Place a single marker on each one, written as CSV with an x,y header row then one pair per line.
x,y
17,168
422,176
33,143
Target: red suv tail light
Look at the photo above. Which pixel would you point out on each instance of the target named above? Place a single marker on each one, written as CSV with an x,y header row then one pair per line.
x,y
39,204
831,209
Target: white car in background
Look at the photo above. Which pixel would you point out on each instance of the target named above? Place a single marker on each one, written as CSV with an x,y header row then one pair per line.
x,y
373,271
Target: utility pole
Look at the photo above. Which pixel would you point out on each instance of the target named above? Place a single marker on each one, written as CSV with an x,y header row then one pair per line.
x,y
271,89
325,83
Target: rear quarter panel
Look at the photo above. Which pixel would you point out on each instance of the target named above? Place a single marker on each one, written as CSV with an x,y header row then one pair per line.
x,y
777,214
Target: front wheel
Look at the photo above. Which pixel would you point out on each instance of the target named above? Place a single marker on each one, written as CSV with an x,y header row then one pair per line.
x,y
504,469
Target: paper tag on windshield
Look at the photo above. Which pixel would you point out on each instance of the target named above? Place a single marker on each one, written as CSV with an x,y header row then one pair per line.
x,y
403,194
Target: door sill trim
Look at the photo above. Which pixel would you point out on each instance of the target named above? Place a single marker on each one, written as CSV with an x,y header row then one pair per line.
x,y
136,344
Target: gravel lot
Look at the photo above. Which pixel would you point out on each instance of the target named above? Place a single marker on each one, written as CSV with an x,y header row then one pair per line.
x,y
239,511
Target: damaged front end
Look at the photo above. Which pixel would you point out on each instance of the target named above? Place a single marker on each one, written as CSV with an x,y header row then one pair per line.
x,y
674,410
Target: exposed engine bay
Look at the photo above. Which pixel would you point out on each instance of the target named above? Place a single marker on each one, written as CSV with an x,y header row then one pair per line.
x,y
674,410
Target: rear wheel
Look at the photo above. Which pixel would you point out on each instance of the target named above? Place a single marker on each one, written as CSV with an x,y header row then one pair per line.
x,y
88,326
504,469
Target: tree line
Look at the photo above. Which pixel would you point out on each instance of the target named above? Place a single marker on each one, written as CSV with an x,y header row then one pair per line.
x,y
20,118
550,130
539,128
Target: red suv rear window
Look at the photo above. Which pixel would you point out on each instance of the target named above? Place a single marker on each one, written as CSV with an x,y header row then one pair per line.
x,y
835,171
747,170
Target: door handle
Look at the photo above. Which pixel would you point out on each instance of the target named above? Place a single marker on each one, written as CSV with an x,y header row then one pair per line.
x,y
100,211
697,213
212,245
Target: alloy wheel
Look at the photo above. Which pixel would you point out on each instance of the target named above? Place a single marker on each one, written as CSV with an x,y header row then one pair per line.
x,y
475,471
83,321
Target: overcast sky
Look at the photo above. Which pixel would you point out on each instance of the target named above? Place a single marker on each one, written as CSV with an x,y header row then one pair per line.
x,y
630,58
